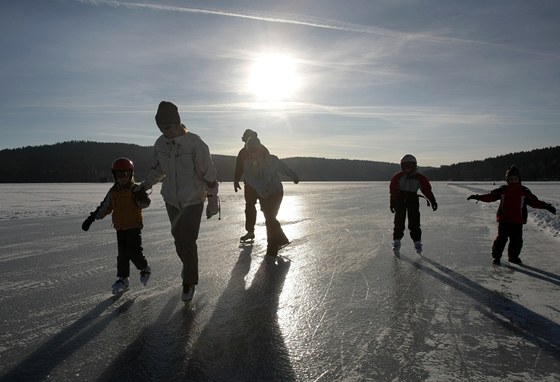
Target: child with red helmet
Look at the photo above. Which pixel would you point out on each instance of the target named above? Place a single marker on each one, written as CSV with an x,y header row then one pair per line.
x,y
404,200
512,214
126,209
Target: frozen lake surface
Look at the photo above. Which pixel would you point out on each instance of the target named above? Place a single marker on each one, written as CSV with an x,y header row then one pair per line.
x,y
339,307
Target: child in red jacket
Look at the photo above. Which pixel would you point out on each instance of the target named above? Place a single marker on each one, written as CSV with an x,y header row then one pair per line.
x,y
512,214
405,200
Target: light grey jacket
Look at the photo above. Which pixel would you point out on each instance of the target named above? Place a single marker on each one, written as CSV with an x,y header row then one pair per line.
x,y
263,174
184,165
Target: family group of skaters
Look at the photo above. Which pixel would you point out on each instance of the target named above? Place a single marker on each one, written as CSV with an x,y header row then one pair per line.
x,y
183,164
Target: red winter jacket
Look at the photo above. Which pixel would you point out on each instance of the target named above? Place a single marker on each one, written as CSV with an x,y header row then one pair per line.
x,y
402,184
514,199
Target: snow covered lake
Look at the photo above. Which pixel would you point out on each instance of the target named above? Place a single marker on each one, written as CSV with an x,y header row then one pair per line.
x,y
339,307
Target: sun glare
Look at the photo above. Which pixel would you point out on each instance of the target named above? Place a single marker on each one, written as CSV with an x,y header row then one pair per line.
x,y
273,78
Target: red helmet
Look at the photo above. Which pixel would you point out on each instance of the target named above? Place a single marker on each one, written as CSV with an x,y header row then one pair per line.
x,y
122,165
409,161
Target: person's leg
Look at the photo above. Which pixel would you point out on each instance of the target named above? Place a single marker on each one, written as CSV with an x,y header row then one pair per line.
x,y
413,208
250,207
185,225
134,248
500,242
275,235
515,242
123,265
399,220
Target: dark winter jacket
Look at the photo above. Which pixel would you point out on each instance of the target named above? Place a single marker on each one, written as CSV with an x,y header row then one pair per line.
x,y
120,202
403,184
514,199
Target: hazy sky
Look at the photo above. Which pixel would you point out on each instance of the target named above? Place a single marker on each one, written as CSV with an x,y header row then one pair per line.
x,y
447,81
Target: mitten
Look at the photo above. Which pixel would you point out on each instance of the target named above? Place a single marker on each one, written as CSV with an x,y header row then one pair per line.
x,y
434,205
213,206
236,186
475,197
550,208
141,197
88,222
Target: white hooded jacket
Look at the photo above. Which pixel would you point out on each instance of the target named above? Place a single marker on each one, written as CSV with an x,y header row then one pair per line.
x,y
184,166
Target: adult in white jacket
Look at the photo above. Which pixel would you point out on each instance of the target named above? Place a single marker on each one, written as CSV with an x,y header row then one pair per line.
x,y
182,162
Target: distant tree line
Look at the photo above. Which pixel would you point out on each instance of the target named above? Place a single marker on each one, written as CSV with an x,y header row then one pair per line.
x,y
81,161
539,164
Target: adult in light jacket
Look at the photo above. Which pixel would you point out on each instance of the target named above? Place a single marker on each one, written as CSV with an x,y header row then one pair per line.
x,y
182,162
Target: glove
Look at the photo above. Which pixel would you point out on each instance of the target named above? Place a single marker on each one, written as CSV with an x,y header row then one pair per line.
x,y
236,186
139,188
88,222
141,197
475,197
550,208
434,205
213,206
392,208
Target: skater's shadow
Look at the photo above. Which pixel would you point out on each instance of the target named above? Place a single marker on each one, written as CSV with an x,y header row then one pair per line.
x,y
537,273
539,330
39,364
242,340
159,351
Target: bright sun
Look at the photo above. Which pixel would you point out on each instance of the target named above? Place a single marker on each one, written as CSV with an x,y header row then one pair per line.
x,y
273,78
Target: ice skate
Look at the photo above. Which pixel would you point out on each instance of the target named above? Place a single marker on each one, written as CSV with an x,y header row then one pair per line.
x,y
188,293
418,247
496,261
396,247
248,238
145,275
120,285
516,261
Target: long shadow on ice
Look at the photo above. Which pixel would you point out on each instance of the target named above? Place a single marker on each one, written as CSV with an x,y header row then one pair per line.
x,y
242,341
523,322
159,351
538,274
39,364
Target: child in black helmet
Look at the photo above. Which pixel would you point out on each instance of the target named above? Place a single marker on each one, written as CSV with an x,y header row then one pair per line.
x,y
126,209
512,214
404,200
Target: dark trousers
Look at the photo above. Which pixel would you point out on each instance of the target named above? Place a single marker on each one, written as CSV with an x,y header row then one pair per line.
x,y
274,234
185,224
250,209
513,232
129,244
410,206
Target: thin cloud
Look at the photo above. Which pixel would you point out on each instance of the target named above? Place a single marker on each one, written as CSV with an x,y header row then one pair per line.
x,y
314,22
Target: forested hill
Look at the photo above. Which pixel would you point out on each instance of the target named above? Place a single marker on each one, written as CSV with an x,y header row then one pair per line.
x,y
539,164
91,162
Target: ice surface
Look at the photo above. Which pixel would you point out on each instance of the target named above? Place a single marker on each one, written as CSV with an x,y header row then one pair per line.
x,y
339,307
